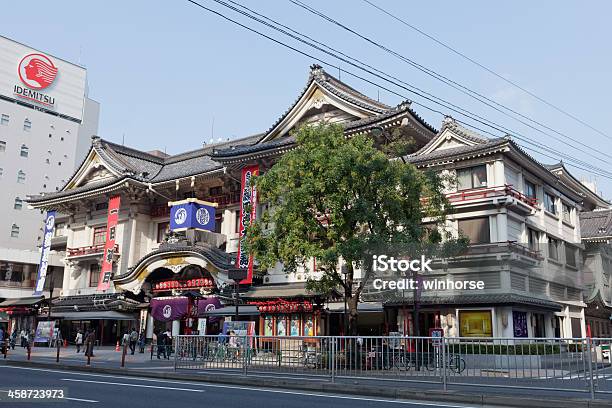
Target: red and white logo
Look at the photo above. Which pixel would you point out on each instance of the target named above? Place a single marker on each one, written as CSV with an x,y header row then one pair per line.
x,y
37,71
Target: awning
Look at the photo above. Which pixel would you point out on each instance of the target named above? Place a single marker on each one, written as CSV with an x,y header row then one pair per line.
x,y
246,310
26,301
283,291
364,307
94,315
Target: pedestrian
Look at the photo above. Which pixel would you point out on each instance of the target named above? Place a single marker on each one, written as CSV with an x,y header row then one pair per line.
x,y
125,339
161,345
23,336
13,339
168,336
142,339
89,343
78,340
133,340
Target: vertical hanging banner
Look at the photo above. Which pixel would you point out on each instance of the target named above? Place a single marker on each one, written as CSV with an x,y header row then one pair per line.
x,y
248,197
109,246
44,255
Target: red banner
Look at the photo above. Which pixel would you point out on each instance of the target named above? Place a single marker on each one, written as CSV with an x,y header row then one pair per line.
x,y
248,196
109,246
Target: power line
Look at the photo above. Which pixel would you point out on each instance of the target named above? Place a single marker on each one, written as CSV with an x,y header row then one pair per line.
x,y
478,119
453,84
411,88
489,70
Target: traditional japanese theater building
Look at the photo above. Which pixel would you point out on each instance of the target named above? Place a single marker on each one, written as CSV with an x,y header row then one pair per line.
x,y
162,279
124,268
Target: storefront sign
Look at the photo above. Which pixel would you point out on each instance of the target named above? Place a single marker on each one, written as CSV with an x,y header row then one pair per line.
x,y
208,305
248,199
184,284
475,323
109,246
201,326
166,309
44,331
44,255
192,214
143,320
519,319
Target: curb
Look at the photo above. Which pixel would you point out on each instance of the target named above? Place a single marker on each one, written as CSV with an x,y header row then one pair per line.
x,y
482,400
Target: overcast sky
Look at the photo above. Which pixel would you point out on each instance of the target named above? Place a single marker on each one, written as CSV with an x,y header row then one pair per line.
x,y
164,71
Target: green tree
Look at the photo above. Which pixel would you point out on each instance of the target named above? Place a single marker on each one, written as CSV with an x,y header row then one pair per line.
x,y
339,200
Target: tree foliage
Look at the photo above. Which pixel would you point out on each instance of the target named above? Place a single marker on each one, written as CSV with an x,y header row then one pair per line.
x,y
336,198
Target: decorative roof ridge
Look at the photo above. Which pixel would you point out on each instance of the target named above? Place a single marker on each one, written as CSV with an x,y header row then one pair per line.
x,y
133,152
337,87
450,123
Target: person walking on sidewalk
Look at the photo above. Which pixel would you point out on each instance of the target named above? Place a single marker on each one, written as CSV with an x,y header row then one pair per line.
x,y
78,340
133,340
142,339
161,345
89,343
24,338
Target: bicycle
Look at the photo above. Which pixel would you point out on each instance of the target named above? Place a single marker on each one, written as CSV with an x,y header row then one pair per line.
x,y
454,362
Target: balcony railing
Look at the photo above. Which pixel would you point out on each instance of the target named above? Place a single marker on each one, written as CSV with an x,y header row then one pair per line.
x,y
491,192
88,250
505,247
16,284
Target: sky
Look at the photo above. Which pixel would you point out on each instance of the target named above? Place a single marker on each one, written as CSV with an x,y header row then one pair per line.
x,y
171,76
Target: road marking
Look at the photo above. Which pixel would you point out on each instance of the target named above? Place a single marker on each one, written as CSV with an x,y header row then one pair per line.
x,y
132,385
274,391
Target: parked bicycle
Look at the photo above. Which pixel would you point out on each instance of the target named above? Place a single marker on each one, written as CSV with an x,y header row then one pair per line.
x,y
454,362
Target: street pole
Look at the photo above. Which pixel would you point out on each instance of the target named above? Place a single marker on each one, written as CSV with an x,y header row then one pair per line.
x,y
237,293
237,275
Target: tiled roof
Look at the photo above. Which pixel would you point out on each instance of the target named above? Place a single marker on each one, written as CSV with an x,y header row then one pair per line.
x,y
455,151
74,191
219,258
596,224
479,299
403,107
452,125
254,148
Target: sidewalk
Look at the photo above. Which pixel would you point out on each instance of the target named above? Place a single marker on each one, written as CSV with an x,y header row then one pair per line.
x,y
104,356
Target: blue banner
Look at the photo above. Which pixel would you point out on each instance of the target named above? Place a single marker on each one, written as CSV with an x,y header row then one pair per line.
x,y
44,255
192,214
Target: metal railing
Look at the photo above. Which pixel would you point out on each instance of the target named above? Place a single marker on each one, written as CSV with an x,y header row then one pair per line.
x,y
88,250
569,364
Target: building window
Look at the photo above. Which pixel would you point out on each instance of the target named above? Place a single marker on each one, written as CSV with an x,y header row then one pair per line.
x,y
59,229
101,206
99,235
530,190
59,163
50,135
62,138
1,171
4,119
533,240
163,228
570,255
215,191
553,248
18,203
475,323
476,229
24,151
472,177
218,222
549,203
238,220
2,145
14,231
567,212
21,176
27,125
47,161
94,275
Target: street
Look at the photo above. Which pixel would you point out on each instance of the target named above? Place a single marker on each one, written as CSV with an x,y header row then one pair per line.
x,y
82,389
